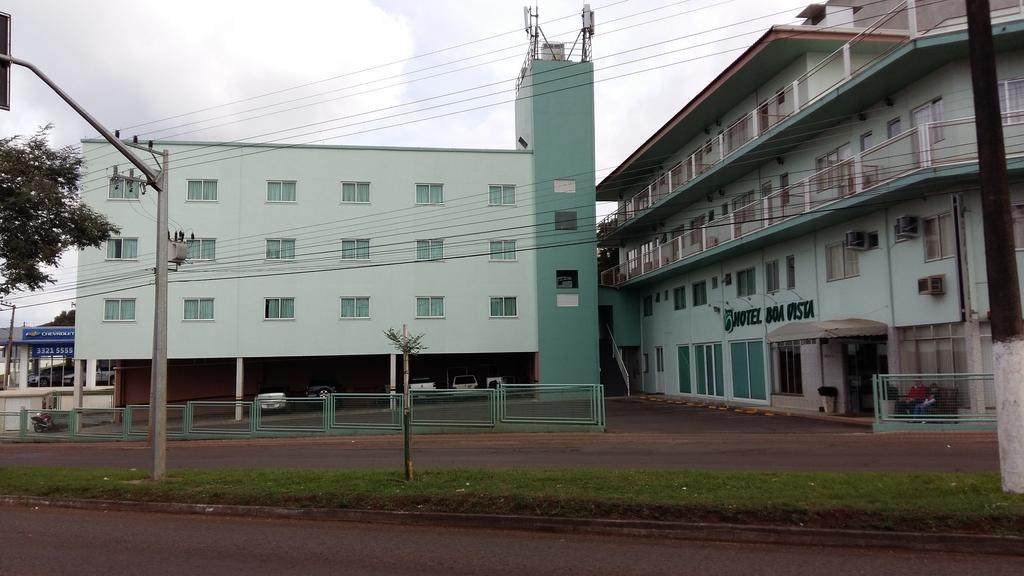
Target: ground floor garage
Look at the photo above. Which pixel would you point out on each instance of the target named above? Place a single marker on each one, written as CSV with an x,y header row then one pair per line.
x,y
229,378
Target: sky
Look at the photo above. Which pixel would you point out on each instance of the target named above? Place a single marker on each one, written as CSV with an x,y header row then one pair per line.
x,y
356,72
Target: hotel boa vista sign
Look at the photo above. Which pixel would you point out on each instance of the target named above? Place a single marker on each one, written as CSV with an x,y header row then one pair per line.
x,y
50,341
773,314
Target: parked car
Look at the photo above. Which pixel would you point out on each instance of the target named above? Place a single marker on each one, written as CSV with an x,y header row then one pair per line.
x,y
464,382
103,378
272,400
422,383
36,379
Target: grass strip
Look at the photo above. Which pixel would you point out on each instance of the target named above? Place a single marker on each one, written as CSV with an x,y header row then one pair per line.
x,y
921,502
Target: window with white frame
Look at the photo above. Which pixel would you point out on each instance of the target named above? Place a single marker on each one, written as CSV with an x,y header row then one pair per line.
x,y
787,371
503,249
503,307
927,113
430,193
679,297
746,282
198,309
700,293
281,191
771,276
355,249
1017,212
355,192
120,189
866,141
201,191
202,249
502,195
939,239
355,306
430,249
893,128
122,249
932,349
280,249
119,310
1011,99
279,308
430,306
841,262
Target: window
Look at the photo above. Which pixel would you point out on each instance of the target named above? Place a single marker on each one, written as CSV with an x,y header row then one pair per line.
x,y
355,307
430,193
202,249
647,363
700,293
873,240
503,249
657,296
866,141
355,192
565,220
1011,99
679,297
746,282
119,310
122,249
766,188
790,272
707,360
280,249
279,308
502,195
659,359
932,349
355,249
841,262
786,369
927,113
784,180
121,189
280,191
503,307
893,128
747,361
714,282
1017,213
648,305
425,249
939,241
567,279
202,191
771,276
430,307
198,309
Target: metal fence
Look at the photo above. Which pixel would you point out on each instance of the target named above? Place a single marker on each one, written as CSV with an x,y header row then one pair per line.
x,y
934,401
518,407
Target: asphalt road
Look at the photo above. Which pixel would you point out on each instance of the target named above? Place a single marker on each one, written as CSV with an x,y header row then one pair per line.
x,y
641,435
47,541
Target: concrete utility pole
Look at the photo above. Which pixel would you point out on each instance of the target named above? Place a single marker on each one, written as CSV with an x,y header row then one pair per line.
x,y
1000,257
158,409
9,348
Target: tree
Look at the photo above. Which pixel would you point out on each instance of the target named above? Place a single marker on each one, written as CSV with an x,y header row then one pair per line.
x,y
41,213
65,318
408,346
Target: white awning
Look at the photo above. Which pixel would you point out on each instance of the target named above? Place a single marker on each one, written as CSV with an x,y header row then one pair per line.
x,y
828,329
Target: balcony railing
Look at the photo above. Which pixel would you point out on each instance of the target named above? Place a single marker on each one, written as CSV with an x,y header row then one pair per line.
x,y
926,146
836,69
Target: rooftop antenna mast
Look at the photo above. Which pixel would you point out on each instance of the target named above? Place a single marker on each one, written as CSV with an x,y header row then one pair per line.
x,y
588,32
531,22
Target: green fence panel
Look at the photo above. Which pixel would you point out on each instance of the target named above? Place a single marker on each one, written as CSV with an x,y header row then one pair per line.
x,y
365,411
454,408
10,425
296,415
101,423
61,429
942,401
137,417
552,404
219,418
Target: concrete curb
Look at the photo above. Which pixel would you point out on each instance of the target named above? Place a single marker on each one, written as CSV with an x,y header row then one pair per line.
x,y
734,533
759,410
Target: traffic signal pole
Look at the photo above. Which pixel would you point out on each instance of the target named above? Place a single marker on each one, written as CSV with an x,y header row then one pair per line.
x,y
159,181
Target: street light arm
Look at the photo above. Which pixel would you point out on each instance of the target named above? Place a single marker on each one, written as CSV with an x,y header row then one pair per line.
x,y
151,176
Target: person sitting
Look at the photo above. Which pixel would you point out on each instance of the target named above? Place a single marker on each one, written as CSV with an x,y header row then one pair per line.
x,y
925,405
916,396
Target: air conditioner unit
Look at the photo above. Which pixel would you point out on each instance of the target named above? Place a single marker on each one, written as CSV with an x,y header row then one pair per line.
x,y
856,240
906,227
727,279
933,285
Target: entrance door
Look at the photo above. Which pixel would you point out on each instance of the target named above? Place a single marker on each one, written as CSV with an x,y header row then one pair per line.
x,y
863,360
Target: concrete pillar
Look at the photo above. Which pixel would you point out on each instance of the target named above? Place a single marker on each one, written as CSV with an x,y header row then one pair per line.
x,y
391,383
23,363
90,372
77,395
975,365
239,386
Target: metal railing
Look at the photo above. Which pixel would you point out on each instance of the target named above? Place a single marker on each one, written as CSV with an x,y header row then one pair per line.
x,y
509,407
924,147
835,69
965,400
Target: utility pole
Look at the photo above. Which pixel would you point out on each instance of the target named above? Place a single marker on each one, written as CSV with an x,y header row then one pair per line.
x,y
1000,257
159,183
9,348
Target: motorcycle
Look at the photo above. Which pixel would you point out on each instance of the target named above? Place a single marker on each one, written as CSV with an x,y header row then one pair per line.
x,y
43,422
